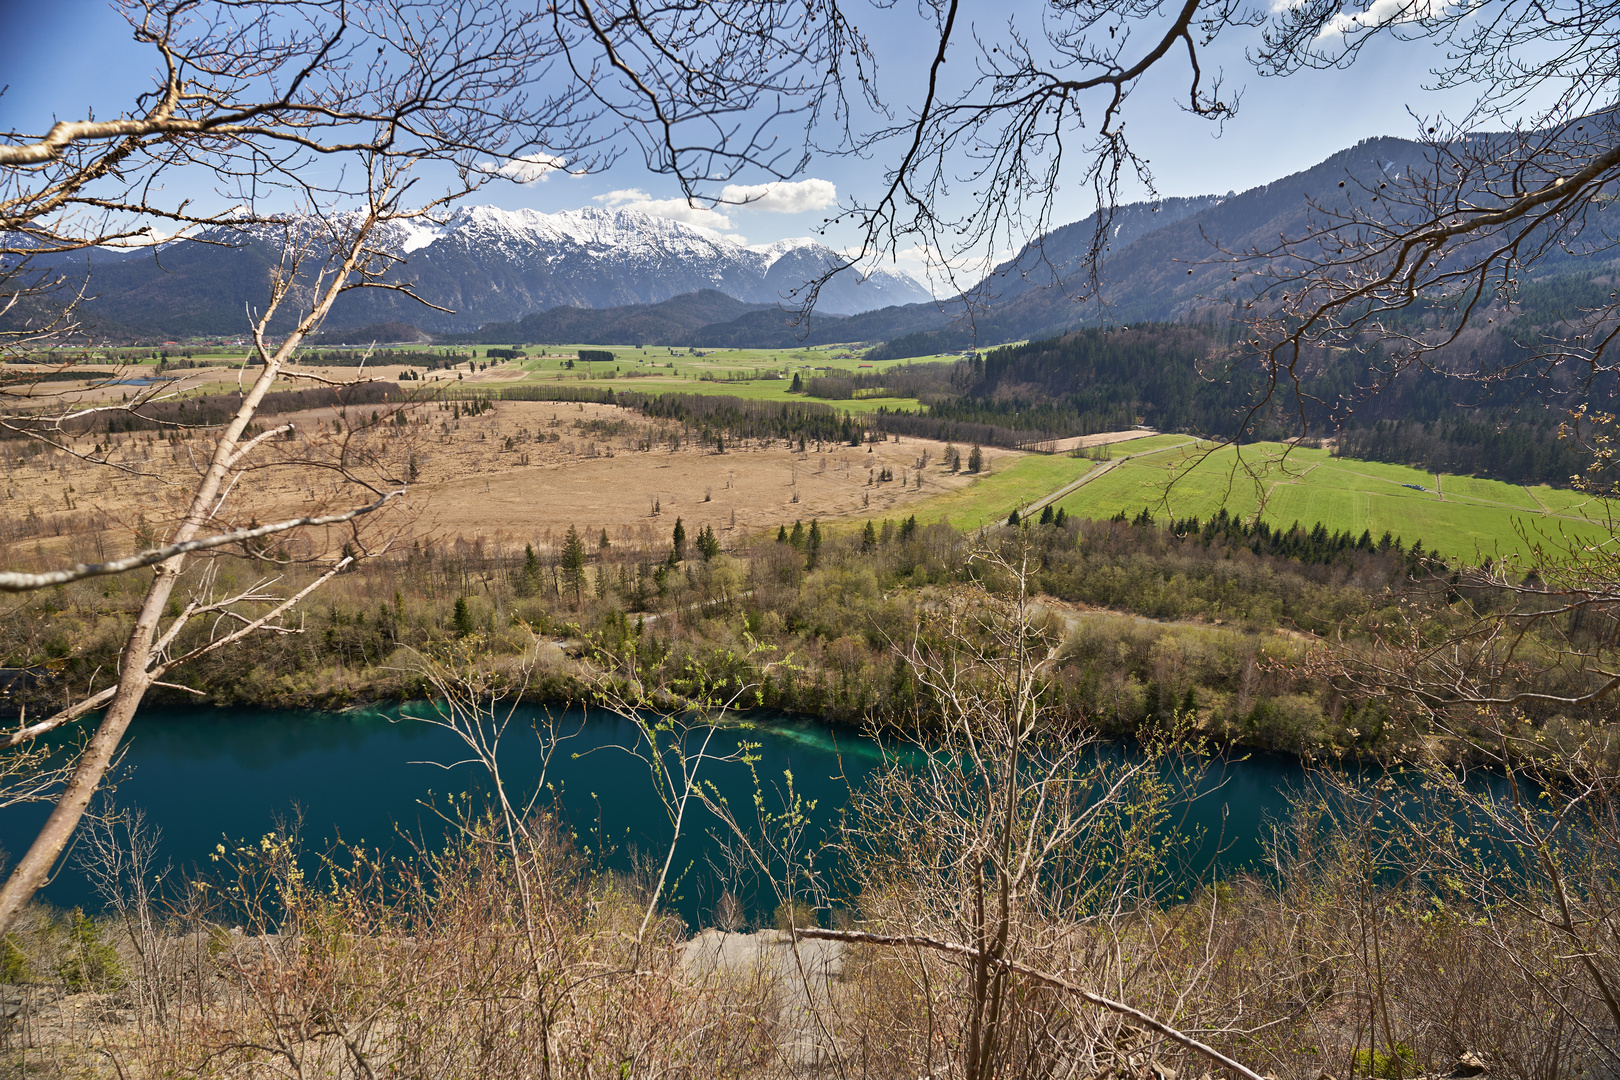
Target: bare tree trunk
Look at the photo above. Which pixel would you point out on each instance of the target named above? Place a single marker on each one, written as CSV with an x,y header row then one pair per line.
x,y
135,673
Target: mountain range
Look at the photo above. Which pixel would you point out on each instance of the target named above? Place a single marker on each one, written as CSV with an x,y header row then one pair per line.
x,y
620,277
483,265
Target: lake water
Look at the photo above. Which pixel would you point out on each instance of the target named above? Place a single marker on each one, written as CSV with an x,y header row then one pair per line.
x,y
206,776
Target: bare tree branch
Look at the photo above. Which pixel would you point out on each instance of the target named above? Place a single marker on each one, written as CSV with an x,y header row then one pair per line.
x,y
13,581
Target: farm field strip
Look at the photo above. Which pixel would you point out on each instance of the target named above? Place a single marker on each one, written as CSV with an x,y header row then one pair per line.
x,y
774,390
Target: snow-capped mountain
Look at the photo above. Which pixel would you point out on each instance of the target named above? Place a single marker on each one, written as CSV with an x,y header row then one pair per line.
x,y
493,265
484,265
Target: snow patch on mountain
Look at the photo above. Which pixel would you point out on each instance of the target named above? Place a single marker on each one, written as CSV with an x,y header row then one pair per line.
x,y
774,251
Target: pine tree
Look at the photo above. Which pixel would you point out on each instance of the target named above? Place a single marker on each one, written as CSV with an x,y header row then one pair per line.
x,y
1012,519
814,545
1046,515
677,550
573,563
869,539
708,544
1062,518
781,534
975,460
463,618
798,385
797,536
528,582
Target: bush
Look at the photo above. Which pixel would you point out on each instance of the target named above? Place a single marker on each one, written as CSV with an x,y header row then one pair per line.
x,y
1395,1065
13,961
88,962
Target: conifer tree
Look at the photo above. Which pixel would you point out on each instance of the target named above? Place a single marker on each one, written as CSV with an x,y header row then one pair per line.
x,y
573,563
708,544
677,550
814,545
797,536
528,582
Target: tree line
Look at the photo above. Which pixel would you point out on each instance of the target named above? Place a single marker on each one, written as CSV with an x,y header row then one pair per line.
x,y
1518,452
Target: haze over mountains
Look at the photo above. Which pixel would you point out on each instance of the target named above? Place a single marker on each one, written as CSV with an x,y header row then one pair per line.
x,y
622,277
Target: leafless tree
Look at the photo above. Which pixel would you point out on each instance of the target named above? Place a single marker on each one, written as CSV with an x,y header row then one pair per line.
x,y
119,858
1034,101
321,127
1028,103
1516,849
977,860
972,866
150,651
1410,268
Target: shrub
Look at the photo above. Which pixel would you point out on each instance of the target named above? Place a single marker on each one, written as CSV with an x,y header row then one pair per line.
x,y
1395,1065
13,961
88,962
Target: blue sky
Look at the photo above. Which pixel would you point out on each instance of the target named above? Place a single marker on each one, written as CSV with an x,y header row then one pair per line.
x,y
1283,125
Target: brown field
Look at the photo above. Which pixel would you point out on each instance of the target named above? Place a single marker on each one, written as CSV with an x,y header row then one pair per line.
x,y
610,468
1101,438
521,472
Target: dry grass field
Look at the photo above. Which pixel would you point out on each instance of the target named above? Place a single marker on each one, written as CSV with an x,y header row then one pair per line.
x,y
601,466
519,472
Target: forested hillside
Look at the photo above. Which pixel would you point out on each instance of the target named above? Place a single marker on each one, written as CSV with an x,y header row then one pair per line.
x,y
1195,380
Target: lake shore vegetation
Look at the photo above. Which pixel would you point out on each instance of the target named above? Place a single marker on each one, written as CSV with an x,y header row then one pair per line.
x,y
1255,633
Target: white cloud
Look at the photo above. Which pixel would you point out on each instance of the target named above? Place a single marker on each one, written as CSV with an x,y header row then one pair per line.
x,y
782,196
526,169
674,209
1381,13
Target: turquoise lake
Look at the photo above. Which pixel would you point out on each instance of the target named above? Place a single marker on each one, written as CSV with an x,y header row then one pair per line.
x,y
207,776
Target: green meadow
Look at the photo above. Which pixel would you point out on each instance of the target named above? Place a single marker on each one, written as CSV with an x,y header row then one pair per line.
x,y
1461,517
1010,484
1015,484
753,374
